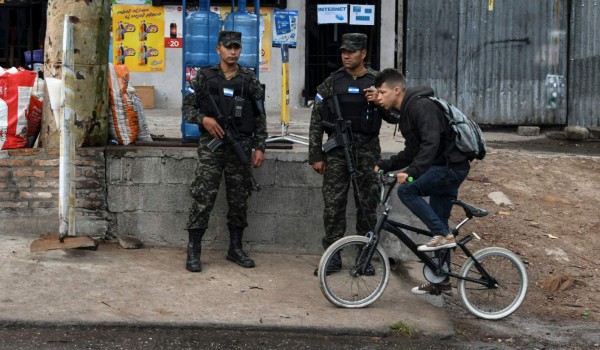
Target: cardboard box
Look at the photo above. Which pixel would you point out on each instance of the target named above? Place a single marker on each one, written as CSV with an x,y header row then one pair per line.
x,y
146,94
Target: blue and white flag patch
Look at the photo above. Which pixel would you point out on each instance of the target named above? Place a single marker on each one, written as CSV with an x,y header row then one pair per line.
x,y
228,92
353,90
319,98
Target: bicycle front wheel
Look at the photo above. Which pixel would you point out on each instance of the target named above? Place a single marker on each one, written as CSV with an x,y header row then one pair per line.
x,y
341,280
502,299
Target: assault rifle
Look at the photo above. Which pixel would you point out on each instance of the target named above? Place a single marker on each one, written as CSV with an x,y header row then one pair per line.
x,y
232,137
342,137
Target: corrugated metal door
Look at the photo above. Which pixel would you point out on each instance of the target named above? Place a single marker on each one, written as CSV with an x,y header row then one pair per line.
x,y
509,62
584,68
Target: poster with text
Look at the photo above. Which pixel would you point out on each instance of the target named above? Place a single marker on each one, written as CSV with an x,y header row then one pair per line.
x,y
138,37
285,27
173,27
132,2
265,33
333,13
362,15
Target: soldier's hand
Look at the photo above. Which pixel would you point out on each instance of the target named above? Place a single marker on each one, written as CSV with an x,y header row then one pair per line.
x,y
371,95
212,126
258,158
319,167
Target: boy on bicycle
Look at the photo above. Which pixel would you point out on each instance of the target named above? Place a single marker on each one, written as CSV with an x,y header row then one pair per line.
x,y
432,166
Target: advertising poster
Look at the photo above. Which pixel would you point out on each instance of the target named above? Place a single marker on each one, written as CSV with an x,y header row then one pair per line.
x,y
138,37
132,2
265,38
265,33
332,13
285,27
362,15
173,27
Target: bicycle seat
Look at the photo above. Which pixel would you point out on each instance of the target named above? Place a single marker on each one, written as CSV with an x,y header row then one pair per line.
x,y
470,210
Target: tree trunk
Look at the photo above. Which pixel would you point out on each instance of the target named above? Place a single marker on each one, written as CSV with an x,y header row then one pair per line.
x,y
91,29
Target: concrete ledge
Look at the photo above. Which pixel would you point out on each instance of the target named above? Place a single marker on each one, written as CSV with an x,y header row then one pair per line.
x,y
148,198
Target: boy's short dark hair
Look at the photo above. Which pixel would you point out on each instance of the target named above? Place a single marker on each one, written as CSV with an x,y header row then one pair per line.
x,y
392,77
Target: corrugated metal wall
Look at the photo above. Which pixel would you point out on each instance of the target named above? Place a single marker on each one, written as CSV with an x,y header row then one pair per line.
x,y
584,66
431,45
497,69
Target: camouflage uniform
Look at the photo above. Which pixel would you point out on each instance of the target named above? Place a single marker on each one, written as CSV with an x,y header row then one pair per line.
x,y
366,152
211,165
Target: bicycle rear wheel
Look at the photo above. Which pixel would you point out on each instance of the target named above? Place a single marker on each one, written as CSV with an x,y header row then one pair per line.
x,y
348,287
494,303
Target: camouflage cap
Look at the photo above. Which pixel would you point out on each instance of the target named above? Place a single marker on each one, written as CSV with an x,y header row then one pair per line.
x,y
229,37
354,41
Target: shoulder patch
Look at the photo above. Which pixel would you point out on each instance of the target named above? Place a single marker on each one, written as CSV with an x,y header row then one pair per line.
x,y
319,98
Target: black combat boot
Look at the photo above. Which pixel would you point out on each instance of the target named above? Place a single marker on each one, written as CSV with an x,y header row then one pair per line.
x,y
194,247
335,265
235,253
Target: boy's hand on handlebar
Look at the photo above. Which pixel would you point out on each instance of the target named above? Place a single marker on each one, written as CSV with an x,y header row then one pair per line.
x,y
403,178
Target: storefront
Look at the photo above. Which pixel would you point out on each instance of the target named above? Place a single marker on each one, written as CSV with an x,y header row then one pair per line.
x,y
313,58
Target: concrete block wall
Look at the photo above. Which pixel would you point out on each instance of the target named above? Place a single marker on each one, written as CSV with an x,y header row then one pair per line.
x,y
144,192
148,195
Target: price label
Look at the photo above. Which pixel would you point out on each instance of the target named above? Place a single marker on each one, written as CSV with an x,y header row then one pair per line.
x,y
171,43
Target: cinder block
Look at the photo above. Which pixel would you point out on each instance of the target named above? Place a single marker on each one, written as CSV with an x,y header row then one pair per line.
x,y
528,130
576,132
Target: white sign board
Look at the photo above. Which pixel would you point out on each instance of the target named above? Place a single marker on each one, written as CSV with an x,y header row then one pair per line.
x,y
333,13
362,15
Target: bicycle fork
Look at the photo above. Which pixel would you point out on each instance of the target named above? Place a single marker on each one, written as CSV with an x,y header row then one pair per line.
x,y
364,256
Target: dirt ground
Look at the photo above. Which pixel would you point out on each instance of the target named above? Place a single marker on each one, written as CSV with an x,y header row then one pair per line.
x,y
554,226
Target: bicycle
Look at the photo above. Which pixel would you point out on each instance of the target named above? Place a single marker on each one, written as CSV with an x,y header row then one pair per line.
x,y
354,271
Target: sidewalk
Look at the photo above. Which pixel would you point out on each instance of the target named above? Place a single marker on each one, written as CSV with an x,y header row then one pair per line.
x,y
166,123
150,286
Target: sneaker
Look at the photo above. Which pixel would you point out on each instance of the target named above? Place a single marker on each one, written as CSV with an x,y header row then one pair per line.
x,y
432,288
438,242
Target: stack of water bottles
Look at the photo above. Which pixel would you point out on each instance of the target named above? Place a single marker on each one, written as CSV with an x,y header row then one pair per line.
x,y
201,38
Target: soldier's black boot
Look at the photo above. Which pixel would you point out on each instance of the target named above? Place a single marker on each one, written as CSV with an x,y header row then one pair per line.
x,y
192,263
235,253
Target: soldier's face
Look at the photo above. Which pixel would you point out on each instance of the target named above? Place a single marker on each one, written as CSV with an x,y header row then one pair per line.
x,y
229,55
389,97
353,59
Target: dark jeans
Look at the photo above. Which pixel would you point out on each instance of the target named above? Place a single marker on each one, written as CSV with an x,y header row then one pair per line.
x,y
440,184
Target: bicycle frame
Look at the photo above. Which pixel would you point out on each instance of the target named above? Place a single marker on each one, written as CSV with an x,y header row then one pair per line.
x,y
396,228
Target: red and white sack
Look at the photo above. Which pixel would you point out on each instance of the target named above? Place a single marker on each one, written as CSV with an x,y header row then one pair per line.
x,y
15,93
123,125
34,119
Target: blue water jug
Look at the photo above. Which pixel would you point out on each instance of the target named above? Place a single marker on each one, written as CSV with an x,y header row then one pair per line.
x,y
245,22
202,36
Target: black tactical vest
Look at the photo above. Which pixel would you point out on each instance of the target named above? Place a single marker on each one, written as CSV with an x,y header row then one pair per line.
x,y
353,104
226,92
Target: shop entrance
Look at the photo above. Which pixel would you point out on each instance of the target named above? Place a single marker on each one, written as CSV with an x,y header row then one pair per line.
x,y
22,29
323,42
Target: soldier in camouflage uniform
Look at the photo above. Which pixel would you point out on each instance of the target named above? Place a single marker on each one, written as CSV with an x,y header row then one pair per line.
x,y
233,88
358,103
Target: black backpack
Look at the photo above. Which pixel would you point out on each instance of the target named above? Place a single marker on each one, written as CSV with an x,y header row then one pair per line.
x,y
469,137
